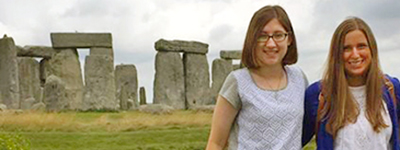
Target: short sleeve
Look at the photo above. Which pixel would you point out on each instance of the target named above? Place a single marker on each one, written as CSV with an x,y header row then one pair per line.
x,y
229,91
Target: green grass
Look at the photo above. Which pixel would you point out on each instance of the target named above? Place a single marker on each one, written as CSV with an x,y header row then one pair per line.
x,y
181,130
165,139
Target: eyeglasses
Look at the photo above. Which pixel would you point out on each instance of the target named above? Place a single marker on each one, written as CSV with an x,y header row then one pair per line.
x,y
278,37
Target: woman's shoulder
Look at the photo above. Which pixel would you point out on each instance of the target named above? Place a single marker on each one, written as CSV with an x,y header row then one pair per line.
x,y
314,88
393,79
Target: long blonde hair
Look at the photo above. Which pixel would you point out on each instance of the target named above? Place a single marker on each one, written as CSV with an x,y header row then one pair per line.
x,y
340,108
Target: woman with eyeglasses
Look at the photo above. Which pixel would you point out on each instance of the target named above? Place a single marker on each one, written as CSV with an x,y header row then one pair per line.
x,y
354,106
261,106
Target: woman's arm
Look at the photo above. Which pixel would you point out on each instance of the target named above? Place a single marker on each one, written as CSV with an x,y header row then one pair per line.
x,y
223,117
311,102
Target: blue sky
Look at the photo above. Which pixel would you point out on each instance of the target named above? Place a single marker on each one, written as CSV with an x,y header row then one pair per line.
x,y
136,24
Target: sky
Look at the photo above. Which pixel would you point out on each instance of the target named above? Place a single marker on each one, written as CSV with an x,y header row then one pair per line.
x,y
136,25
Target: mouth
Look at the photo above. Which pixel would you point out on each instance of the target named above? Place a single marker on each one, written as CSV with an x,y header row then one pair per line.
x,y
356,62
271,51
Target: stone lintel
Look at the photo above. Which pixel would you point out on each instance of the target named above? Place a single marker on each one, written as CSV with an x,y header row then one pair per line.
x,y
231,54
81,40
35,51
181,46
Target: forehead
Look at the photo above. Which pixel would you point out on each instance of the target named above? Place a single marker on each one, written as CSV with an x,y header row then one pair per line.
x,y
273,26
354,37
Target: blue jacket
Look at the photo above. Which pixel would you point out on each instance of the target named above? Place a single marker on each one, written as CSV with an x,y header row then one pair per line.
x,y
325,140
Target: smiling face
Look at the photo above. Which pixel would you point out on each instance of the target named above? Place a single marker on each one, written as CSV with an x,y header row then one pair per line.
x,y
271,52
356,54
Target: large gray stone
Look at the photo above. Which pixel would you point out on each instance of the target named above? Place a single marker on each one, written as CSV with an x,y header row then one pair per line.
x,y
126,85
81,40
156,109
169,84
65,65
197,79
9,83
27,103
29,81
235,54
142,93
220,70
35,51
102,51
54,95
99,84
181,46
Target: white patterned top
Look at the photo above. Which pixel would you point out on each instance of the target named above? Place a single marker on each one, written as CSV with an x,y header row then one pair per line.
x,y
267,120
361,134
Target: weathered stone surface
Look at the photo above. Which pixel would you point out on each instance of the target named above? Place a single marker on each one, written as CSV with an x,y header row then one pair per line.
x,y
39,106
35,51
220,70
44,70
3,107
142,93
102,51
156,109
54,95
27,103
9,83
29,82
236,66
100,84
197,79
236,54
126,85
169,84
81,40
65,65
181,46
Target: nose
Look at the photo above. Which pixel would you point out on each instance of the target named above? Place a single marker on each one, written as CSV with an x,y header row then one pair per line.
x,y
270,43
355,52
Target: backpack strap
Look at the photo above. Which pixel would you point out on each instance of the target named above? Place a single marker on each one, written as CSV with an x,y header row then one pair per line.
x,y
390,87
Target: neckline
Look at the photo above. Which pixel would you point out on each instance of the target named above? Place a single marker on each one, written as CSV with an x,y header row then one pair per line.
x,y
286,70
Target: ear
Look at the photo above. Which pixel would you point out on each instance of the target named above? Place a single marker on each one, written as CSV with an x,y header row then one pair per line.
x,y
289,40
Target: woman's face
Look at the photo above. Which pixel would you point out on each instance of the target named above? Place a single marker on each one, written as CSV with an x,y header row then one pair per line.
x,y
357,54
272,44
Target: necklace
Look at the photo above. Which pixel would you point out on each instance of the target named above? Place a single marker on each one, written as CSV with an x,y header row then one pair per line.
x,y
275,90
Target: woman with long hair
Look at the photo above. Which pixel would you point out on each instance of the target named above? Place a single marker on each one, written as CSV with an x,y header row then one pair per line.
x,y
354,105
261,106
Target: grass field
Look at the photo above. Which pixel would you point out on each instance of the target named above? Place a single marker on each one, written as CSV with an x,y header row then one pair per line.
x,y
181,130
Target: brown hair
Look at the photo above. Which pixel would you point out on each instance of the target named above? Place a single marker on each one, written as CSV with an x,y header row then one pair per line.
x,y
257,23
340,108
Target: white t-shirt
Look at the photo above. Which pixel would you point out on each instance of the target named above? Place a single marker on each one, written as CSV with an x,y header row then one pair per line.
x,y
361,134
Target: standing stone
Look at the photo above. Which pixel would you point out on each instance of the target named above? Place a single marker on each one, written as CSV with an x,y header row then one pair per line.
x,y
142,96
101,51
220,70
29,82
65,65
126,85
197,79
54,95
9,83
169,84
27,103
99,84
